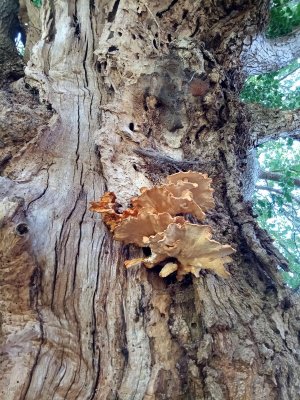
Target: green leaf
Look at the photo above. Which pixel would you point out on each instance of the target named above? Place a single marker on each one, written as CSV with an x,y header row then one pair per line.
x,y
284,18
280,214
37,3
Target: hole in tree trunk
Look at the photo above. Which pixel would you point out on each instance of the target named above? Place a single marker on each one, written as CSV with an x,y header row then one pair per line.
x,y
146,251
22,229
112,48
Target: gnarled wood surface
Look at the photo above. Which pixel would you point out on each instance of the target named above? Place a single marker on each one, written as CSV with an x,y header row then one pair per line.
x,y
120,113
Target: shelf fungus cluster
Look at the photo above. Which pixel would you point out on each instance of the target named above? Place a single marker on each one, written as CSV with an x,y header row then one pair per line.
x,y
155,219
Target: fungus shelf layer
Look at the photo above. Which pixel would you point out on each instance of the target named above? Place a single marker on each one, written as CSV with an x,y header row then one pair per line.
x,y
156,219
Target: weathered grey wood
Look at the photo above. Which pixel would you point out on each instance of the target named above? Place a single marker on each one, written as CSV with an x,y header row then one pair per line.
x,y
76,324
267,55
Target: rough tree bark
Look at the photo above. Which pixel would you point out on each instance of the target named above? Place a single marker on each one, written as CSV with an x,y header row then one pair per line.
x,y
130,91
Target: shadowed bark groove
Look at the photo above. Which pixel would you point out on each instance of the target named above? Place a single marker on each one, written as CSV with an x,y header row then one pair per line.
x,y
121,78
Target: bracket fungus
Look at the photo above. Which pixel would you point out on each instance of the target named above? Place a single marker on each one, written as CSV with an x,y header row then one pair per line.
x,y
155,219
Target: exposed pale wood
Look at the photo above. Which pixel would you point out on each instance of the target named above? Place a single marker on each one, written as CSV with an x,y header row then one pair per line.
x,y
75,323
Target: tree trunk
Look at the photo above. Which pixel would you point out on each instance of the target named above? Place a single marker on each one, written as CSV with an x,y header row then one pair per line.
x,y
134,91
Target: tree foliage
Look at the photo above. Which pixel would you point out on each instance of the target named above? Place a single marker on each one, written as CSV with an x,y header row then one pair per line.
x,y
37,3
284,17
278,89
278,203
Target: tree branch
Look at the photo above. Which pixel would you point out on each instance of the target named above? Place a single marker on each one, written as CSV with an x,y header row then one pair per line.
x,y
275,176
269,124
278,191
266,55
297,259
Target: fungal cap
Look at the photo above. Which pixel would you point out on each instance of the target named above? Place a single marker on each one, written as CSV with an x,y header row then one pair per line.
x,y
108,207
168,269
201,191
136,229
133,263
192,246
160,199
106,204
